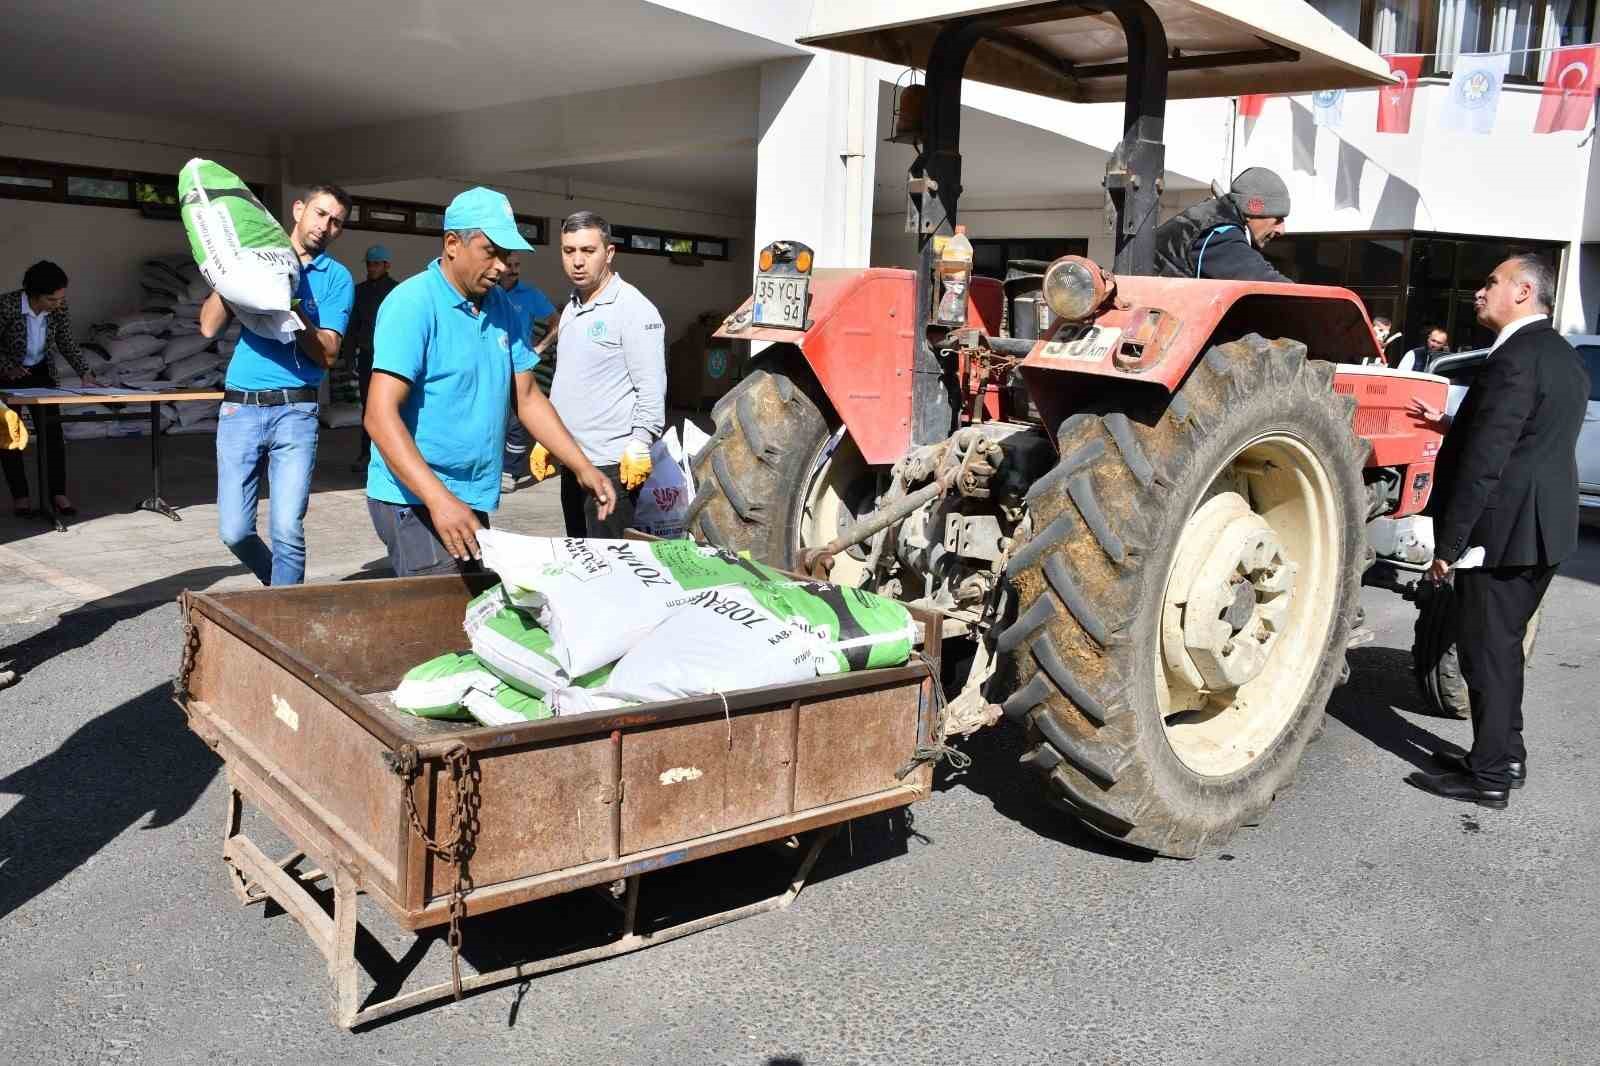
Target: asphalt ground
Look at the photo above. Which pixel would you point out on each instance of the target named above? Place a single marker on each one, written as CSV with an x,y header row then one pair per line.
x,y
1362,921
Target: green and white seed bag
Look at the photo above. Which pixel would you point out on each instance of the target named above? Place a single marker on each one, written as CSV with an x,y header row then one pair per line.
x,y
434,689
504,705
239,247
515,648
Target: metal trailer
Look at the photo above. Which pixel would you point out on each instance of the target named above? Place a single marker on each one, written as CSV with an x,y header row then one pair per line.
x,y
437,822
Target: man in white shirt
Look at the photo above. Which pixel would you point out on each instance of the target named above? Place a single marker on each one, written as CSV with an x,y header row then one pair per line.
x,y
1438,343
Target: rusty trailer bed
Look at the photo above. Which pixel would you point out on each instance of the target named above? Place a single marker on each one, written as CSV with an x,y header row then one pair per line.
x,y
280,683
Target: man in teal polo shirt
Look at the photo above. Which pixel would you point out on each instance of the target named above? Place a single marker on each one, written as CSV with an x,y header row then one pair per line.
x,y
449,352
268,418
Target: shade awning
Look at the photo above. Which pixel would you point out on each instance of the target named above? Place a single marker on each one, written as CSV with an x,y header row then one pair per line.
x,y
1062,50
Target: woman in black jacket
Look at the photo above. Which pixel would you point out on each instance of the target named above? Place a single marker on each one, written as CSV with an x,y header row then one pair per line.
x,y
34,326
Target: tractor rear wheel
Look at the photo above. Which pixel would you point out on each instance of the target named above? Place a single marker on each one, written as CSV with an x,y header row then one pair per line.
x,y
1185,596
1434,661
774,479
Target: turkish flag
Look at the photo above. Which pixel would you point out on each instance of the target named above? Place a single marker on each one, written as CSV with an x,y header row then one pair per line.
x,y
1394,101
1250,105
1568,89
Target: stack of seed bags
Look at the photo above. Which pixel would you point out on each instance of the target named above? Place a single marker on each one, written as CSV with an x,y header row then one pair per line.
x,y
674,619
586,625
459,687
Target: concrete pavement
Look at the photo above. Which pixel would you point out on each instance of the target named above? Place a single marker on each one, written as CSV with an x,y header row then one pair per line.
x,y
115,555
1363,921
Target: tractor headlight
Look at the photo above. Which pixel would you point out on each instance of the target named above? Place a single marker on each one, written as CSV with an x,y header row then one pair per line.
x,y
1074,287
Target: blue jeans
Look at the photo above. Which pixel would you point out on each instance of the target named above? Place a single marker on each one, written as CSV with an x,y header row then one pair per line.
x,y
282,441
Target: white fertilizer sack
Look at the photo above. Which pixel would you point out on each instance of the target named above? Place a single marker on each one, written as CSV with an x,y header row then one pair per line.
x,y
598,598
513,646
714,640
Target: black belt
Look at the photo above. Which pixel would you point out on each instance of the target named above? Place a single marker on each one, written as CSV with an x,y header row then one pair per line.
x,y
270,397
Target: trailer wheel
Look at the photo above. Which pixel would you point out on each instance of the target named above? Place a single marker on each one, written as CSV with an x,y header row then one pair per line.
x,y
1434,662
768,435
1186,594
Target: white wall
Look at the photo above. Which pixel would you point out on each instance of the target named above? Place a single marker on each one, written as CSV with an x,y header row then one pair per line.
x,y
1510,183
892,246
100,248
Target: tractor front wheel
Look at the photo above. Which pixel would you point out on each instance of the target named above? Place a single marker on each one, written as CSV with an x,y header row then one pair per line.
x,y
1185,596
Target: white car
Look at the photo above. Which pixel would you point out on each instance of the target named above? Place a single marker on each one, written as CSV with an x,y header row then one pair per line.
x,y
1462,368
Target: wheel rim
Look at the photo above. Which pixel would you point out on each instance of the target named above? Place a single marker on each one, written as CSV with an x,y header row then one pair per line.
x,y
839,491
1248,601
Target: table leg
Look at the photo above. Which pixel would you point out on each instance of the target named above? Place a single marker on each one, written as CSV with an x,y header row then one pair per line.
x,y
156,503
47,499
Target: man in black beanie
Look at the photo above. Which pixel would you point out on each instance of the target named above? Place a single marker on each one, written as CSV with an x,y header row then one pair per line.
x,y
1222,238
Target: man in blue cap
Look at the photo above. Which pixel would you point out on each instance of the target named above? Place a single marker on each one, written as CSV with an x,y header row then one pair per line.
x,y
449,352
358,341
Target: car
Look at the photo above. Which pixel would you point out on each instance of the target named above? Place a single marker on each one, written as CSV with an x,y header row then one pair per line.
x,y
1461,369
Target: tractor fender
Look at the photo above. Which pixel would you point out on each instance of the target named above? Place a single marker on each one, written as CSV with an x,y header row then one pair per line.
x,y
1163,326
858,344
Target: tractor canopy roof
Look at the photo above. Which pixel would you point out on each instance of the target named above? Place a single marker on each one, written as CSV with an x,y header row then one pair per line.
x,y
1075,52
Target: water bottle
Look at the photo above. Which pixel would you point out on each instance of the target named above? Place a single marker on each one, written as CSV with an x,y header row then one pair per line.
x,y
955,271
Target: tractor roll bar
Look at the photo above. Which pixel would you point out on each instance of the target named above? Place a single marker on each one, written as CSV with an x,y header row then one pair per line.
x,y
1133,179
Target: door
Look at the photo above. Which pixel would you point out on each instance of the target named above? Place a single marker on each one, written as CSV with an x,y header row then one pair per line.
x,y
1589,438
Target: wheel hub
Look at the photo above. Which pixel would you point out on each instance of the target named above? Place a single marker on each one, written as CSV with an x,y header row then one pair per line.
x,y
1231,588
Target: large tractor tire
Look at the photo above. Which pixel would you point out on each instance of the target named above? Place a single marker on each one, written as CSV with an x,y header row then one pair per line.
x,y
775,478
1185,596
1434,662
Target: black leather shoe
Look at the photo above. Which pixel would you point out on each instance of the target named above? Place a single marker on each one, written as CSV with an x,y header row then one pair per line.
x,y
1461,787
1457,764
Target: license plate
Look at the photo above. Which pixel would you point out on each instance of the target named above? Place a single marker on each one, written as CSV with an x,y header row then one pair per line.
x,y
780,300
1088,343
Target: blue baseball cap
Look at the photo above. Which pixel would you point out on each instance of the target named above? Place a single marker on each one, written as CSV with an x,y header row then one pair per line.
x,y
378,254
489,211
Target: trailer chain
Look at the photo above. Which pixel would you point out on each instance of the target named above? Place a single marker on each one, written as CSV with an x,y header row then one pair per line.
x,y
456,848
191,649
938,750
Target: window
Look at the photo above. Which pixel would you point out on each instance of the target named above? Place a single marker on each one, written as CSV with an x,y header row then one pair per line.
x,y
1591,362
395,216
643,240
154,195
1446,29
97,189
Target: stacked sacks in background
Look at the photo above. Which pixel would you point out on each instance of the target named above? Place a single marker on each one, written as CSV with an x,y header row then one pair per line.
x,y
156,346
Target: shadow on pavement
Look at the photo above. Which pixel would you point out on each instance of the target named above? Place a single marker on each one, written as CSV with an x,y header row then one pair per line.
x,y
136,759
1380,687
84,624
996,775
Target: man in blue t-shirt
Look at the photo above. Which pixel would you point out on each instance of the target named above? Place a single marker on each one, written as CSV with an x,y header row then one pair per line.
x,y
449,352
541,317
268,419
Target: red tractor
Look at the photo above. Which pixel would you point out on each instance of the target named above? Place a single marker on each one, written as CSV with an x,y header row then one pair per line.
x,y
1146,517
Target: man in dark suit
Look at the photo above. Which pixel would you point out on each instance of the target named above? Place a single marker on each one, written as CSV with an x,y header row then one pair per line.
x,y
1507,517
